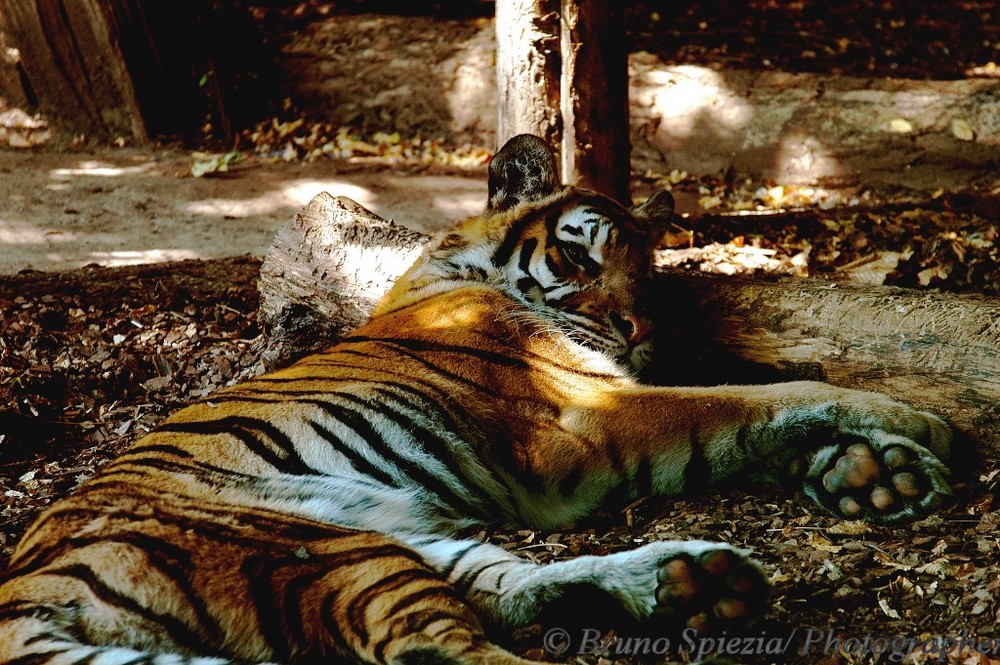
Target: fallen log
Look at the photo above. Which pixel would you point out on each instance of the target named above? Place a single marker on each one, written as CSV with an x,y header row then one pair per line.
x,y
328,267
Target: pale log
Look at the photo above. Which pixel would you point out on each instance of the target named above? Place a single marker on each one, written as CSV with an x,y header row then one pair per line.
x,y
328,267
324,273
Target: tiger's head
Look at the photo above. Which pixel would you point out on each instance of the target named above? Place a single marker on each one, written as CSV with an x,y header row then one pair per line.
x,y
576,258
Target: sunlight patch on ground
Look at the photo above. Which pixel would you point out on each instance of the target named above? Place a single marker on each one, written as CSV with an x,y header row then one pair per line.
x,y
293,194
23,233
132,258
692,99
102,169
801,157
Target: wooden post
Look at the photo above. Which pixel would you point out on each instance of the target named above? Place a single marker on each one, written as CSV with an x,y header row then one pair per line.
x,y
594,97
140,68
74,66
527,69
562,74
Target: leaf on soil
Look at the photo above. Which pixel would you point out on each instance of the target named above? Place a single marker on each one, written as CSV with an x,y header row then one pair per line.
x,y
962,130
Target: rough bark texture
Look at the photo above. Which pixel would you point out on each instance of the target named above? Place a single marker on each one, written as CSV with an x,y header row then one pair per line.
x,y
594,97
329,266
562,74
11,86
138,68
527,69
324,273
937,351
73,65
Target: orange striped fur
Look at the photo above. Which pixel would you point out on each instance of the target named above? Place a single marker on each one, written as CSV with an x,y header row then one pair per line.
x,y
315,512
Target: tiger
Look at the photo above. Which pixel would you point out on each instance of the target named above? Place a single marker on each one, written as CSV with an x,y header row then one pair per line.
x,y
322,510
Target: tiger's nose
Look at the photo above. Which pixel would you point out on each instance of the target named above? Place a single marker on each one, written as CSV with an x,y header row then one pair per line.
x,y
631,327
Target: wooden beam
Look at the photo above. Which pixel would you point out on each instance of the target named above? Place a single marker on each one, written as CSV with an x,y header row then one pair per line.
x,y
594,97
527,69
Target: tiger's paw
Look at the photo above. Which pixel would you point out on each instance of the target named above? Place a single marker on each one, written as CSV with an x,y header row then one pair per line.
x,y
695,584
881,478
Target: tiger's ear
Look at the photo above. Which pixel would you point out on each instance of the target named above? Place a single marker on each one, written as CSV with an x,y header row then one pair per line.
x,y
656,212
523,170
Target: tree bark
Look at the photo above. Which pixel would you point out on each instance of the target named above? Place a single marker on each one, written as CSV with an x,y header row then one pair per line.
x,y
329,266
324,273
938,351
562,74
594,96
73,65
527,69
139,68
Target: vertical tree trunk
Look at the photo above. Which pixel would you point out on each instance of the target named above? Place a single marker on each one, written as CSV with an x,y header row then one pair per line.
x,y
140,68
562,74
12,88
73,65
594,97
527,69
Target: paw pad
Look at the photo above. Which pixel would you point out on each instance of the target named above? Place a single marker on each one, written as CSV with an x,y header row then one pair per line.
x,y
717,585
861,482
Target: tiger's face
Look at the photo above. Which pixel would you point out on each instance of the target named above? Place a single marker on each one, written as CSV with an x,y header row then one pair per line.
x,y
587,262
576,259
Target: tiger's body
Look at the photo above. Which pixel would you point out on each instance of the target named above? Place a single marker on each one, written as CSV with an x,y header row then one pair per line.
x,y
314,511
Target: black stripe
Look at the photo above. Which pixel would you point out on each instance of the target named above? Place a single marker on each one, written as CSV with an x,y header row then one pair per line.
x,y
423,345
34,658
334,630
258,571
697,473
176,629
527,249
433,444
440,371
245,429
449,567
380,445
509,244
229,527
468,579
415,624
88,658
356,459
294,614
204,472
261,571
163,448
176,564
20,609
385,587
573,230
143,658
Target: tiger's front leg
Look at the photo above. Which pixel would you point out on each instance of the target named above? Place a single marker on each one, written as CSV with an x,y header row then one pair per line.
x,y
860,455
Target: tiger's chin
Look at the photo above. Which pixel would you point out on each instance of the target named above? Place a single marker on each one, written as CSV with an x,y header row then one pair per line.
x,y
639,359
636,360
